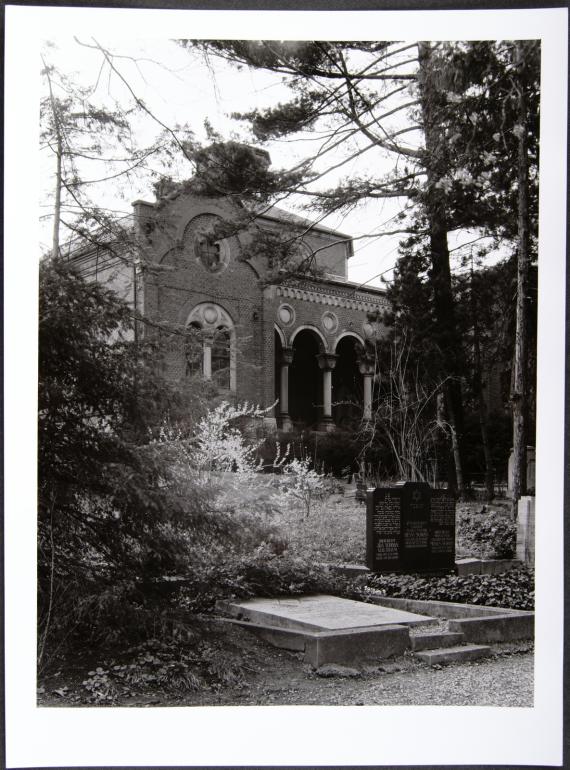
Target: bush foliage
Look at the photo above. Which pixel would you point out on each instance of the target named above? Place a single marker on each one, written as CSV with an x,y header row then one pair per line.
x,y
513,589
487,533
261,573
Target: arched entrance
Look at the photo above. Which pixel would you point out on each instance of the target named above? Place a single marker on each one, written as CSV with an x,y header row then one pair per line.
x,y
305,379
347,384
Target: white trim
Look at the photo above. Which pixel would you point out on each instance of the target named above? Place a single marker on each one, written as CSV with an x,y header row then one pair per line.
x,y
281,335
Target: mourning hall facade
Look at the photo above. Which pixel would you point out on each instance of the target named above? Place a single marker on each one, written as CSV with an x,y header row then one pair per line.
x,y
303,345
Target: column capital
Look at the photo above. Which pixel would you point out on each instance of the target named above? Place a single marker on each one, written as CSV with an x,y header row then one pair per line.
x,y
327,361
366,365
287,356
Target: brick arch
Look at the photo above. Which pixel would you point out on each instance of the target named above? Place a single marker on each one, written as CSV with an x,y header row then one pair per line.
x,y
200,211
310,328
281,334
170,256
356,336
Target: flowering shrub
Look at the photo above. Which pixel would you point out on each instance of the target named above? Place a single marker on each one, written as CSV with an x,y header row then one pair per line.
x,y
221,459
301,484
221,445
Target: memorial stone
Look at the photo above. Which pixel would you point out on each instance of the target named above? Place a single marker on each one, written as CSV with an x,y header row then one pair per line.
x,y
411,528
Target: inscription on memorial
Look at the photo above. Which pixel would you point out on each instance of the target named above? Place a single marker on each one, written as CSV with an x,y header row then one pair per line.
x,y
410,527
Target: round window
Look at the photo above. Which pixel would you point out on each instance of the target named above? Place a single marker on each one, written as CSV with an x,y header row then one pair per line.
x,y
285,315
211,252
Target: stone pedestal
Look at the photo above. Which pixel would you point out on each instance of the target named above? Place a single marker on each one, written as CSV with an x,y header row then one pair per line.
x,y
530,469
525,530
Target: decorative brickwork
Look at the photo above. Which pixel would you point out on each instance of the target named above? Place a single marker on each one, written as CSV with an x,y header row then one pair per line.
x,y
197,278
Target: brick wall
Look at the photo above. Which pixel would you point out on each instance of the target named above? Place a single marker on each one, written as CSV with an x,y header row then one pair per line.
x,y
167,238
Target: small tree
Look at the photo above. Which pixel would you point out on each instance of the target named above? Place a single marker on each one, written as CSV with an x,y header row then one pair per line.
x,y
405,417
300,483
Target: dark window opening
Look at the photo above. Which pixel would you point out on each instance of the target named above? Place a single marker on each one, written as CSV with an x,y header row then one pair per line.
x,y
221,359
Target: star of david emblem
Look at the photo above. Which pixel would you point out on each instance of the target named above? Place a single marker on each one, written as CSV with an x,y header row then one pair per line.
x,y
416,496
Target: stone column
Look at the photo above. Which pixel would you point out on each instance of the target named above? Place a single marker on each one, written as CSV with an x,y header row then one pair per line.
x,y
286,361
208,341
366,369
327,362
525,530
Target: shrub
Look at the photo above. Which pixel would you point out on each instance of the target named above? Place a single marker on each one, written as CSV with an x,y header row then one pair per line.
x,y
300,484
486,533
262,573
117,511
513,589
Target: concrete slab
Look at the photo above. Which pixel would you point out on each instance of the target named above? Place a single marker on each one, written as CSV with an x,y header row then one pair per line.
x,y
319,613
448,610
355,646
498,628
486,566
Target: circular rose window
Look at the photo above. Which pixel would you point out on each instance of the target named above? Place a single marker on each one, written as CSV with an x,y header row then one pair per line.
x,y
285,315
211,252
329,322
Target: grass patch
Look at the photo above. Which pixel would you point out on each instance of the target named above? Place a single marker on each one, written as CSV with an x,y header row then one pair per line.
x,y
334,532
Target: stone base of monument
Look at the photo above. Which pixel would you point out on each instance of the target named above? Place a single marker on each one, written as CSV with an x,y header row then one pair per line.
x,y
475,622
327,629
454,654
486,566
435,640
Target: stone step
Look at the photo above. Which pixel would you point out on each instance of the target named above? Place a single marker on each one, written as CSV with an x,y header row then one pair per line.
x,y
437,640
454,654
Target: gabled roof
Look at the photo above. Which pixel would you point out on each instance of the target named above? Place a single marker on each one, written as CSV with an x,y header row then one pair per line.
x,y
281,215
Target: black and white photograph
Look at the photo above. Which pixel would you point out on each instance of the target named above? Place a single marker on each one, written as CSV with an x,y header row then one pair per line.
x,y
284,392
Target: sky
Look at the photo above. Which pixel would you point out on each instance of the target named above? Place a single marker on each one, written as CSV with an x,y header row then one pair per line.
x,y
182,87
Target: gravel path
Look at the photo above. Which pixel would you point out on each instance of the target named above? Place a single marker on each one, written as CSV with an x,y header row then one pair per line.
x,y
278,677
506,679
500,682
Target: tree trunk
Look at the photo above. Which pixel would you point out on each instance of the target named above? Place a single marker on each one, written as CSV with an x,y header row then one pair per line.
x,y
519,378
480,397
58,177
57,204
440,274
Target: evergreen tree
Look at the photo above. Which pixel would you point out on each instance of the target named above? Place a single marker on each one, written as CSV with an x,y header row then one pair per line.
x,y
356,99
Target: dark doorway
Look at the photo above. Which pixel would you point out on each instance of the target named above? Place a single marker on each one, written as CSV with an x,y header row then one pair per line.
x,y
347,385
305,379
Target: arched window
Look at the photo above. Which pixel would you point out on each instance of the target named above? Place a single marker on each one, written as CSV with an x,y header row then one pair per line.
x,y
210,345
221,357
194,350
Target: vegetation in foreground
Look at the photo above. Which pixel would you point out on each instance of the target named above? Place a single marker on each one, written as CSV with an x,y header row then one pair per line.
x,y
143,527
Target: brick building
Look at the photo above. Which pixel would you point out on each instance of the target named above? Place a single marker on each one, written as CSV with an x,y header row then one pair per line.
x,y
303,342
